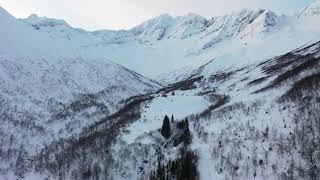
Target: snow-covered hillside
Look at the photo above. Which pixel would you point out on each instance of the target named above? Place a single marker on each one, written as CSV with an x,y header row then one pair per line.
x,y
240,99
311,10
21,40
255,126
188,41
48,93
252,122
45,99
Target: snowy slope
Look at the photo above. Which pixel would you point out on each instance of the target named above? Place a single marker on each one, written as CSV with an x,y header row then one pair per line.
x,y
43,100
78,92
249,92
252,111
167,27
188,41
47,92
16,36
181,105
37,67
312,10
249,130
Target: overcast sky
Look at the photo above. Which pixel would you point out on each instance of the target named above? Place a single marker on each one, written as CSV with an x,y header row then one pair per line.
x,y
124,14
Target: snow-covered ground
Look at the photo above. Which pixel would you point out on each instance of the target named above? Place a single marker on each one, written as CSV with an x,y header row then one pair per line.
x,y
180,105
56,82
206,162
171,46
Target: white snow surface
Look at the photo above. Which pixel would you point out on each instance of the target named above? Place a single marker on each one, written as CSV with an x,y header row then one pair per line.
x,y
312,10
180,105
170,46
36,89
21,40
44,62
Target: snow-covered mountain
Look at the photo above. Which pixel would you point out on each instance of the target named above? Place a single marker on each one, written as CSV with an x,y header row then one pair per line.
x,y
32,60
255,126
241,93
45,95
189,41
250,122
167,27
311,10
78,92
25,36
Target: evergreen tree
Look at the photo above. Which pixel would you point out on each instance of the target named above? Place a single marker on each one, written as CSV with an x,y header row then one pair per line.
x,y
165,130
187,123
21,163
185,137
172,119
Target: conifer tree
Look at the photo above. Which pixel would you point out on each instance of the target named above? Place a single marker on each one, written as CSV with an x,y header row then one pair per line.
x,y
166,130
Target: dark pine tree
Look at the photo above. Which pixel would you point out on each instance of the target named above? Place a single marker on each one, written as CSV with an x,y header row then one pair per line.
x,y
172,119
165,130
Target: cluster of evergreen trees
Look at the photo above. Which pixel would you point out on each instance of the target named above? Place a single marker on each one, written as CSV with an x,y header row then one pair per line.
x,y
185,135
185,166
182,126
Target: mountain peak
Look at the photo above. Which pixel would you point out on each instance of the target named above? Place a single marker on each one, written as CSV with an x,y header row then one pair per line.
x,y
190,18
32,16
311,10
154,28
166,26
44,21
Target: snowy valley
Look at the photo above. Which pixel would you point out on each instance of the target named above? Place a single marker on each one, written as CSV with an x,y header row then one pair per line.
x,y
231,97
